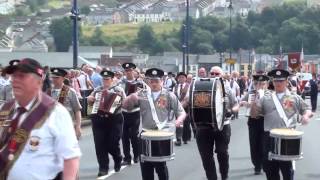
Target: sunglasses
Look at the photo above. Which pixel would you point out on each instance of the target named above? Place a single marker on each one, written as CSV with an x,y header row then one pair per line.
x,y
215,73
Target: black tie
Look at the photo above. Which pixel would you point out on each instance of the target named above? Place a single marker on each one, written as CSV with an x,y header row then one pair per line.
x,y
15,121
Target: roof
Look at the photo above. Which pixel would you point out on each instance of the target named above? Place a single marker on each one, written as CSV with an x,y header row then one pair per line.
x,y
91,49
52,59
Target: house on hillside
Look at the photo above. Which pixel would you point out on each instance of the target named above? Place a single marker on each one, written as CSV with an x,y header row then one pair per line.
x,y
151,15
6,7
206,6
100,16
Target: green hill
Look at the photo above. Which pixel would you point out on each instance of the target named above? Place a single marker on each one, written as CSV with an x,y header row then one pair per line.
x,y
130,30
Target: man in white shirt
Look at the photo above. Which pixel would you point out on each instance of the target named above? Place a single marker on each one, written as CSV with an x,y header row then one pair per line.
x,y
41,141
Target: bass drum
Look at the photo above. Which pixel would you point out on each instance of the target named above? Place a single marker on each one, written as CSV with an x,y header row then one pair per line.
x,y
208,106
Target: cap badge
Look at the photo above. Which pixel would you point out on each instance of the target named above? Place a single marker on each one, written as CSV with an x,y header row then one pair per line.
x,y
154,72
260,78
127,65
15,63
278,73
56,70
105,73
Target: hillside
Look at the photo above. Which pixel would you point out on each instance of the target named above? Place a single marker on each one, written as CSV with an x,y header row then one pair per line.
x,y
130,30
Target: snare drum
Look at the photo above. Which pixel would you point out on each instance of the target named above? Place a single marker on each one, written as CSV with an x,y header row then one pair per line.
x,y
157,146
286,144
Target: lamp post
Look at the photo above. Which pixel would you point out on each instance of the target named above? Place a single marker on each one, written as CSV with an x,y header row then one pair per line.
x,y
187,36
230,27
184,49
75,18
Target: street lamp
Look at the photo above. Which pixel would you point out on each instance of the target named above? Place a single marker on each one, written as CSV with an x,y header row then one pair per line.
x,y
230,26
184,49
75,18
187,36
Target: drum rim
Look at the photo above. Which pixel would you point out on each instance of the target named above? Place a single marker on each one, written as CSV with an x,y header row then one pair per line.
x,y
286,136
224,107
285,157
273,133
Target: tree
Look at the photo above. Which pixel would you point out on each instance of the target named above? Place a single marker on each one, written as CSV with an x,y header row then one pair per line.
x,y
97,39
220,42
61,30
240,36
146,39
85,10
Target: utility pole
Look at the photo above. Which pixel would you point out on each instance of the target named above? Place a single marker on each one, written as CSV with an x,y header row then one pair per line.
x,y
184,49
187,36
230,28
75,18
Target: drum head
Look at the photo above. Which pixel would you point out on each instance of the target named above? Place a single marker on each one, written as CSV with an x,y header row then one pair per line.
x,y
219,110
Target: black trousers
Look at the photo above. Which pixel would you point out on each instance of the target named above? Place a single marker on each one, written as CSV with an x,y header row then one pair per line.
x,y
207,138
272,167
130,134
314,102
256,134
184,133
84,102
147,170
107,133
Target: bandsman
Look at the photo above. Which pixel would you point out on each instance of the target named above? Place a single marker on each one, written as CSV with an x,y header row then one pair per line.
x,y
160,110
281,109
66,96
107,122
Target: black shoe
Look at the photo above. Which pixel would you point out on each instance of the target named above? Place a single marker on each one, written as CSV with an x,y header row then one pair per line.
x,y
185,142
224,177
257,171
177,143
136,160
102,173
117,167
126,163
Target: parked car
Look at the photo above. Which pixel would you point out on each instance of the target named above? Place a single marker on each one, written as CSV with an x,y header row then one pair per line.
x,y
304,78
306,91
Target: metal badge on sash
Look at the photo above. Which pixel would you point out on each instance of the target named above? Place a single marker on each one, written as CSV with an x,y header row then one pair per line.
x,y
34,143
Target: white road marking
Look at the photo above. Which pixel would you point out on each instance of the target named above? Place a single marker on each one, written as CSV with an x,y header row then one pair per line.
x,y
113,172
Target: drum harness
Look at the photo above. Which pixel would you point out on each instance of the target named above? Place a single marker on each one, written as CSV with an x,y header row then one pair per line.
x,y
280,110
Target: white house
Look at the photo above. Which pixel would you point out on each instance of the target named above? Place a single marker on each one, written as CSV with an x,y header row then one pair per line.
x,y
6,7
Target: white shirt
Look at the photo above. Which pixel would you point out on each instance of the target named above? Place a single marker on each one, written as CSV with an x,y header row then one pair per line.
x,y
57,142
83,78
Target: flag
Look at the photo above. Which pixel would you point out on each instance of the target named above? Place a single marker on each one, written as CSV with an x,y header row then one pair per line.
x,y
294,61
302,59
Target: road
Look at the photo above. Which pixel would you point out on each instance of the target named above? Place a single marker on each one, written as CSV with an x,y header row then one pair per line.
x,y
187,164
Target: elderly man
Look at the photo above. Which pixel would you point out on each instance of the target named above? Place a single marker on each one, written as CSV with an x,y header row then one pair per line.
x,y
37,138
181,90
281,109
160,110
202,73
208,139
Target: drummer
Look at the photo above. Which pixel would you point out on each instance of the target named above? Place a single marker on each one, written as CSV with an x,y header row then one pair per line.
x,y
158,109
273,106
255,121
209,139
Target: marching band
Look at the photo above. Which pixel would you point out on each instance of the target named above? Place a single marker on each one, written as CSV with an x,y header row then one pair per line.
x,y
152,112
